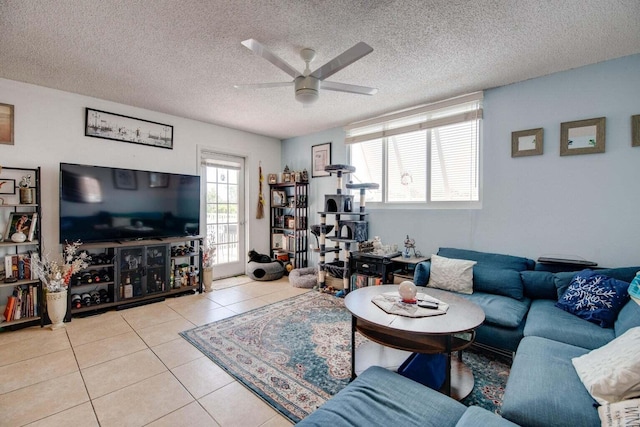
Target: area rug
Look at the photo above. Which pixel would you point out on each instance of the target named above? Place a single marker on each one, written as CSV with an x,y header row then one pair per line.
x,y
295,354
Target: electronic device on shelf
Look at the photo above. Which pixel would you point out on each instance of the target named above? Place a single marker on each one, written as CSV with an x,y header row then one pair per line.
x,y
103,204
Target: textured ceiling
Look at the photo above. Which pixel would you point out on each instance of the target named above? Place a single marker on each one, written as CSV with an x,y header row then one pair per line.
x,y
183,57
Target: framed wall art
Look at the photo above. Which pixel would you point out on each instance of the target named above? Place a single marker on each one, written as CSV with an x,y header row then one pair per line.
x,y
22,222
158,180
272,178
6,124
582,137
278,198
101,124
527,142
125,179
7,186
320,157
635,131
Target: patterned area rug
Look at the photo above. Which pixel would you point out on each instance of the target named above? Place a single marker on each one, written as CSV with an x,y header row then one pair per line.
x,y
295,354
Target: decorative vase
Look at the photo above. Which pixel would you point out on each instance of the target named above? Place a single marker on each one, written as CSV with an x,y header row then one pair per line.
x,y
26,196
57,308
207,278
18,237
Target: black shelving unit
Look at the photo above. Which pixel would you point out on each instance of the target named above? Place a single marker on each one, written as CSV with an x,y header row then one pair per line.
x,y
289,210
16,256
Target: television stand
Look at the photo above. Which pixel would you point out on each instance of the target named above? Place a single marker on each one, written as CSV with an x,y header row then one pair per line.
x,y
129,273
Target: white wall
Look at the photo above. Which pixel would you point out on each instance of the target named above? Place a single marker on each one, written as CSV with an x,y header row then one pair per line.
x,y
49,129
584,205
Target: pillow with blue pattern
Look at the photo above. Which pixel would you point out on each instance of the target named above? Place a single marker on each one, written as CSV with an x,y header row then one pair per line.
x,y
594,297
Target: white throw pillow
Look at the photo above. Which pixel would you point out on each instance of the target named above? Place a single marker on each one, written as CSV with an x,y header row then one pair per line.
x,y
620,414
611,373
451,274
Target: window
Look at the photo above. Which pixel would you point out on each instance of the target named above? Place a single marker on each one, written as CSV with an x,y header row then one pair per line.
x,y
428,154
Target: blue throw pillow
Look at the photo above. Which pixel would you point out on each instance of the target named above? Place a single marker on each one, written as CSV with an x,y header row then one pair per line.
x,y
594,297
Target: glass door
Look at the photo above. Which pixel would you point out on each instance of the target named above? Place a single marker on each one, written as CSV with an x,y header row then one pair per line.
x,y
130,272
157,268
224,177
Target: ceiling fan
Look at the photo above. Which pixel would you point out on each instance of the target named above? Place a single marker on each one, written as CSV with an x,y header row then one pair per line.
x,y
307,83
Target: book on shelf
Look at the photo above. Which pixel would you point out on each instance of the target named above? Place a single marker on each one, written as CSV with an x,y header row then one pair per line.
x,y
18,266
8,311
23,303
362,280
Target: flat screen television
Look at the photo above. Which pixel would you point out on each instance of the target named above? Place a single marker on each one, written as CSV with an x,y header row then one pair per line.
x,y
102,204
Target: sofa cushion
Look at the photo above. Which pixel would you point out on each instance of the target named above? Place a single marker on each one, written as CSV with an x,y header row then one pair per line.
x,y
497,281
629,317
381,397
594,297
421,273
626,274
500,337
489,259
539,284
475,416
611,373
543,389
543,320
451,274
500,310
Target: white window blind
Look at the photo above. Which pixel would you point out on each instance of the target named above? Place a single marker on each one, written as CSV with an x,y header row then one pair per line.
x,y
424,154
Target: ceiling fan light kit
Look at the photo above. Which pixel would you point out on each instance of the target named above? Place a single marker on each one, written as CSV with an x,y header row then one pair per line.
x,y
307,84
307,89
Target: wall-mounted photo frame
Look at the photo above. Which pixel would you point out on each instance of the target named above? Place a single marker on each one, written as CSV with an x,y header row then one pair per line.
x,y
320,158
125,179
582,137
158,180
635,130
6,124
272,178
7,186
527,142
278,198
101,124
22,222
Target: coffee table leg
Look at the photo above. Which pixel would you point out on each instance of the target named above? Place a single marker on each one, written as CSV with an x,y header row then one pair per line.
x,y
353,348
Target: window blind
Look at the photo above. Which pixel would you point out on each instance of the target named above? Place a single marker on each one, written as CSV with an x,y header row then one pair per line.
x,y
455,110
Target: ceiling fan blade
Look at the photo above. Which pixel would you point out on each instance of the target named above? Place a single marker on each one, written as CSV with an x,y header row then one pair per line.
x,y
263,85
339,62
343,87
260,50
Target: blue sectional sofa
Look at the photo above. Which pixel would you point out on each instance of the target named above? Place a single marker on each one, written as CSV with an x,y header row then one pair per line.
x,y
379,397
518,297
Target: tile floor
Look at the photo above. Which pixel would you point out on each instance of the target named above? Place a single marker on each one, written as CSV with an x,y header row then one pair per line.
x,y
131,368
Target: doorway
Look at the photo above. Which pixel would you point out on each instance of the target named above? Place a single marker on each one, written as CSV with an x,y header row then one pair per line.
x,y
223,177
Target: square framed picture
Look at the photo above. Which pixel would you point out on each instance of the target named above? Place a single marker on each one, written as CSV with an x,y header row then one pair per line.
x,y
582,137
21,222
272,178
320,158
125,179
